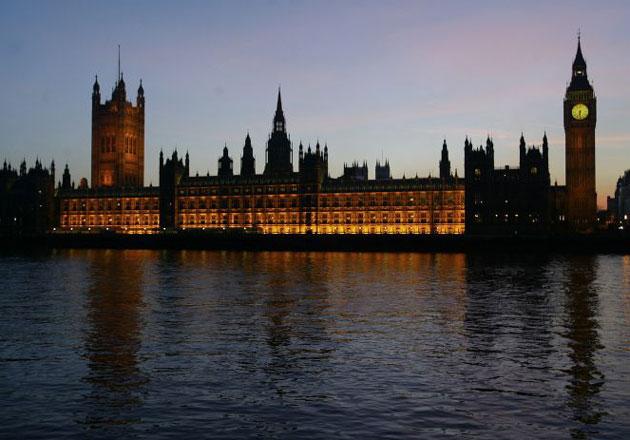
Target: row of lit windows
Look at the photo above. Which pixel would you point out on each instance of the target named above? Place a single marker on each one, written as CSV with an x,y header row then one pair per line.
x,y
507,217
237,203
293,189
238,190
281,202
103,220
324,219
353,229
110,204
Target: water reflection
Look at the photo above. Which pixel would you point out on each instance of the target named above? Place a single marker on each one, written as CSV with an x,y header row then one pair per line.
x,y
113,339
509,309
585,380
293,313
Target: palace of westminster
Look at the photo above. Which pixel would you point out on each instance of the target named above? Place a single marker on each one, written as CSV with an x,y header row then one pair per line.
x,y
303,198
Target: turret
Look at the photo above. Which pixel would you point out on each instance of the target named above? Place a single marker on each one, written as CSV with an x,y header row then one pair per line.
x,y
248,162
65,179
225,164
489,149
445,163
140,97
522,150
120,92
96,93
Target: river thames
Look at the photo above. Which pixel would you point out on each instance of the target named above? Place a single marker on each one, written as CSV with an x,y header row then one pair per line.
x,y
196,344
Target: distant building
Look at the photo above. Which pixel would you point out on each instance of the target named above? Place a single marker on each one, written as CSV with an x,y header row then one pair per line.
x,y
619,205
27,203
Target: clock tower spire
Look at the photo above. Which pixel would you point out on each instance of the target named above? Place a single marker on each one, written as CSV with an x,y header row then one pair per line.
x,y
580,118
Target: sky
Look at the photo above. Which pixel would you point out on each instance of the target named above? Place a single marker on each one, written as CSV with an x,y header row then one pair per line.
x,y
373,79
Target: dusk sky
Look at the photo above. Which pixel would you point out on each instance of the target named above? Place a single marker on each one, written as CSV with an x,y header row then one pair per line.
x,y
372,79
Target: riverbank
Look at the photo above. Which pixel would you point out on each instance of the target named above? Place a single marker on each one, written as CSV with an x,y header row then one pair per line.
x,y
596,243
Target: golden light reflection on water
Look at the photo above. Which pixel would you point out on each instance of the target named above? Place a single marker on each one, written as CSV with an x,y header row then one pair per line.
x,y
114,335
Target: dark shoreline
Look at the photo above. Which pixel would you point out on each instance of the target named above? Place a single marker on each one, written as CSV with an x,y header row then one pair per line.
x,y
597,243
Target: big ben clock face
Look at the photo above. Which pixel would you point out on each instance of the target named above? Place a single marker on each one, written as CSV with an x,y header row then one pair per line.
x,y
579,112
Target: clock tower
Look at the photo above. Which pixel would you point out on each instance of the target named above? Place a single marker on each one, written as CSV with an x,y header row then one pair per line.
x,y
580,117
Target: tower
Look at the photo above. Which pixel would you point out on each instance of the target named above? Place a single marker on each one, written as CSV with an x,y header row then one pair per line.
x,y
117,138
445,163
172,171
279,153
580,117
248,163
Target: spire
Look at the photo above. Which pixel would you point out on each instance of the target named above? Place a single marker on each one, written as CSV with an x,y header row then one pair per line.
x,y
579,63
119,74
96,89
279,104
96,93
278,120
579,77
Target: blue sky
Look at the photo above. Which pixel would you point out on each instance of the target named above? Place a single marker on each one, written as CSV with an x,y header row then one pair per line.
x,y
370,78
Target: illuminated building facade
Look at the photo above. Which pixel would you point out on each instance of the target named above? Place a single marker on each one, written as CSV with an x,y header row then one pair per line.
x,y
280,200
129,210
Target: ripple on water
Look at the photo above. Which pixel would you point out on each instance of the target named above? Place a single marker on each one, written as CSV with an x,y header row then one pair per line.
x,y
145,344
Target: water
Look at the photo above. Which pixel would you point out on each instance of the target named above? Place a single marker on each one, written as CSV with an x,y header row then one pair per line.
x,y
150,344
